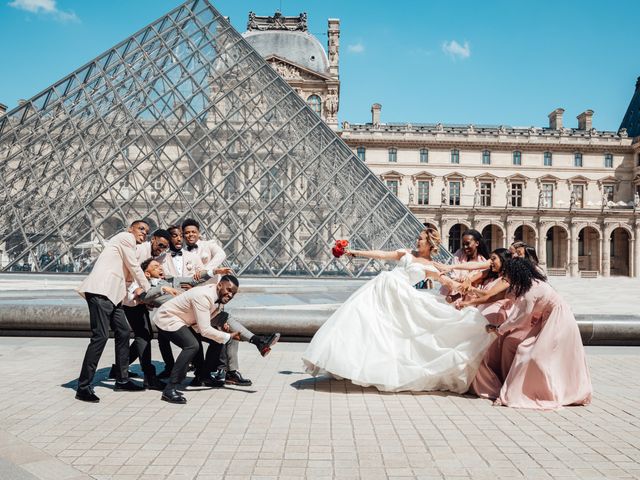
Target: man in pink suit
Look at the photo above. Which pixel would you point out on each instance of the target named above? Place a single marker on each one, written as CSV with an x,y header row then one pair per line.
x,y
104,290
199,256
187,315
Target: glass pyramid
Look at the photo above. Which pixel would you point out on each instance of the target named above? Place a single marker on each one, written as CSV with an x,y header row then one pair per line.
x,y
185,119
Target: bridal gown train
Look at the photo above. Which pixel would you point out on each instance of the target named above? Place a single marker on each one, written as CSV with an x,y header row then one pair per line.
x,y
397,338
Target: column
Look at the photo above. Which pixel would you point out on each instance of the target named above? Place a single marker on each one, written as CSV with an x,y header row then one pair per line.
x,y
573,250
510,232
636,252
542,246
606,253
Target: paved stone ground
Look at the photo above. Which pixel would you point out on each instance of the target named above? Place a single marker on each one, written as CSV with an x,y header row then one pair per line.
x,y
290,426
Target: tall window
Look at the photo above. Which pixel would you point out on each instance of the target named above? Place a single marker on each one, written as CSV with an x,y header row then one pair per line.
x,y
577,160
393,186
393,154
516,194
485,194
315,102
454,193
486,157
455,156
424,155
423,193
608,161
517,158
579,195
548,159
607,192
362,153
547,195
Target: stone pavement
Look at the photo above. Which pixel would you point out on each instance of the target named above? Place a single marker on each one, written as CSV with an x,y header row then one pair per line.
x,y
288,425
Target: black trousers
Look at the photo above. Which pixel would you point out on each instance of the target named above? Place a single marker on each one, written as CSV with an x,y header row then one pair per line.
x,y
214,358
185,338
140,322
102,315
163,343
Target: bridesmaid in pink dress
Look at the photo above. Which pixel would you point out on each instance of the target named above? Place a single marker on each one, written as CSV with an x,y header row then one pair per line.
x,y
474,250
549,369
495,306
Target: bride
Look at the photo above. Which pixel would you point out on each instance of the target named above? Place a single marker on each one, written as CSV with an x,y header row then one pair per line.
x,y
394,337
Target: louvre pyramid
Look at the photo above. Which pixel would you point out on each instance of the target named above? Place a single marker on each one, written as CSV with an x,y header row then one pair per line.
x,y
185,119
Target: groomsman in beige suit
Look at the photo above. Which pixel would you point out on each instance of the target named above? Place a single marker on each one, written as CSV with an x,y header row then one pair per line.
x,y
187,315
104,290
199,256
138,314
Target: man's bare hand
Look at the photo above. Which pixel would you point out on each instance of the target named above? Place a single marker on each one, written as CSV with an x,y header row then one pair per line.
x,y
223,271
138,291
226,327
199,274
170,291
235,336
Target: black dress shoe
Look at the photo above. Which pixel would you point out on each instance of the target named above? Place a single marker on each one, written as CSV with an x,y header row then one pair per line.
x,y
166,373
113,373
87,395
153,383
234,377
220,374
128,386
206,382
264,342
171,395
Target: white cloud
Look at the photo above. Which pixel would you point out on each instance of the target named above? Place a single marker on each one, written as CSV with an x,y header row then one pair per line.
x,y
45,7
356,47
455,50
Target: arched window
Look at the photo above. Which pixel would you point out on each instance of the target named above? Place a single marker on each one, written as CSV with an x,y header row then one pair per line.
x,y
315,102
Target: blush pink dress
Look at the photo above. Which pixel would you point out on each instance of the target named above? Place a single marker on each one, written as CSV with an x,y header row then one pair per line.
x,y
494,368
549,367
459,275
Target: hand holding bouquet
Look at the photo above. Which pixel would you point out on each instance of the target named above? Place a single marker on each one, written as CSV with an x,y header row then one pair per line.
x,y
339,249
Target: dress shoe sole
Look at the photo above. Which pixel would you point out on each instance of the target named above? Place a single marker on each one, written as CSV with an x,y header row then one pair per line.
x,y
238,384
265,351
180,401
88,400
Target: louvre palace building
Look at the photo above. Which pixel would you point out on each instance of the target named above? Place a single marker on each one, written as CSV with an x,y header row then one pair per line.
x,y
190,118
564,187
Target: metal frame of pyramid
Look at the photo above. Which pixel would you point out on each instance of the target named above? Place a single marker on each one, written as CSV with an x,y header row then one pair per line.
x,y
185,119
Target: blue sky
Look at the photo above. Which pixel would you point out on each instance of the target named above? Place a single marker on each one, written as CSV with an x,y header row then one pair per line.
x,y
494,62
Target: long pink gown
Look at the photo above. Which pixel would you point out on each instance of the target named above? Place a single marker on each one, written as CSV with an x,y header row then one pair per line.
x,y
549,369
498,357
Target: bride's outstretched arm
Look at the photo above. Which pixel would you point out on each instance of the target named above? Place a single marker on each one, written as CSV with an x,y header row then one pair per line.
x,y
497,289
376,254
462,266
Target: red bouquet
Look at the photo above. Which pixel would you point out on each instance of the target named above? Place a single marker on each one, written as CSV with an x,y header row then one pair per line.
x,y
338,249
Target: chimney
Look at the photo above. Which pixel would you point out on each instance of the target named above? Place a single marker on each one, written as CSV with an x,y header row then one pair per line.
x,y
585,120
375,113
555,119
333,43
3,109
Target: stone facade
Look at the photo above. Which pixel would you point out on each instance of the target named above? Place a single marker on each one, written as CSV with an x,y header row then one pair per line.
x,y
300,59
570,192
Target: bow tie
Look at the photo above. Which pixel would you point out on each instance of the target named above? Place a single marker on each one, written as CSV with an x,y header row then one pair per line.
x,y
176,252
192,247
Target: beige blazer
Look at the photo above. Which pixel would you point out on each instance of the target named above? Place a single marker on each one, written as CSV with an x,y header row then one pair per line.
x,y
207,256
143,252
115,267
194,309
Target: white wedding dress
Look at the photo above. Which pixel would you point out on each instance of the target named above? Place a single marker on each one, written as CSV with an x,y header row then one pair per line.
x,y
394,337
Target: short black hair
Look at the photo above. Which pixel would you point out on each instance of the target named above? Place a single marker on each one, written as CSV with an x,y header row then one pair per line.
x,y
135,222
162,233
173,227
144,265
190,222
231,278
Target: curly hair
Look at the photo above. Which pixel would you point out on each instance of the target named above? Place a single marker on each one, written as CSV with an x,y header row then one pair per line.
x,y
529,252
433,237
521,273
